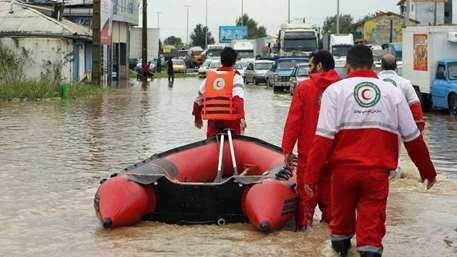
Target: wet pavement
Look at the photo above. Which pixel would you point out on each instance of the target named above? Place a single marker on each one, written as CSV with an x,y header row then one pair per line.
x,y
53,153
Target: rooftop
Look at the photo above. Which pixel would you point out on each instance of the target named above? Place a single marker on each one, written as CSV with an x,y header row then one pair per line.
x,y
19,19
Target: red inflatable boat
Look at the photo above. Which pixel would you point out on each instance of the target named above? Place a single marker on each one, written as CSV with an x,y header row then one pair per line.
x,y
213,181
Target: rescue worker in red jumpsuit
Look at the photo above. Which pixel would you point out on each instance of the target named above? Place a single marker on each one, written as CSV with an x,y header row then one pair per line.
x,y
301,125
357,137
220,99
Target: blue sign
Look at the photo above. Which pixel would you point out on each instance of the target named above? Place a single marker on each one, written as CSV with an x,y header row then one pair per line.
x,y
229,33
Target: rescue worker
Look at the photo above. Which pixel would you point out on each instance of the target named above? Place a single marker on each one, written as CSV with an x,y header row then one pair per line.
x,y
357,138
221,97
301,125
389,74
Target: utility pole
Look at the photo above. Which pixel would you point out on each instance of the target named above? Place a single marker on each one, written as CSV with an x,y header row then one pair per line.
x,y
337,17
206,31
187,23
144,37
435,13
407,14
96,45
242,8
158,19
288,11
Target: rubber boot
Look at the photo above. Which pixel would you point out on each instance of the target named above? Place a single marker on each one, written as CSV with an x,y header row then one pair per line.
x,y
369,254
342,247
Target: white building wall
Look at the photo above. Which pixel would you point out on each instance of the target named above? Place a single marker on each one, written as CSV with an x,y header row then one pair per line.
x,y
44,56
454,11
424,12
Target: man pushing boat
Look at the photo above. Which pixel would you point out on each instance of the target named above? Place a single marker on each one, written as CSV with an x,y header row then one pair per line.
x,y
220,99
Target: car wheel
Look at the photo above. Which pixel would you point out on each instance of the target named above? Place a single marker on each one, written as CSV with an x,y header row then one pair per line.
x,y
452,102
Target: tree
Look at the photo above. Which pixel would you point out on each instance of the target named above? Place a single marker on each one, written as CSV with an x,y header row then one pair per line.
x,y
254,31
174,41
198,36
347,24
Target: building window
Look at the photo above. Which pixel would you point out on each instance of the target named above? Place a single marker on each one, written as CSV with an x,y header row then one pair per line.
x,y
412,7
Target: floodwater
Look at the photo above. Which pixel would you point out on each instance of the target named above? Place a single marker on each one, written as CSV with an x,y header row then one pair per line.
x,y
53,153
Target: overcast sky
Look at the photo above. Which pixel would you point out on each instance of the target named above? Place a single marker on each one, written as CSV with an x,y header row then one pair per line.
x,y
269,13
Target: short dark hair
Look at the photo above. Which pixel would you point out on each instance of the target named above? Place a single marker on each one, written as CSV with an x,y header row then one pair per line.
x,y
228,57
385,65
360,57
325,58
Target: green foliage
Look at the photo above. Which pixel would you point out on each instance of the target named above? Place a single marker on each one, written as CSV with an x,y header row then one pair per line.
x,y
198,36
34,90
254,30
11,65
174,41
347,25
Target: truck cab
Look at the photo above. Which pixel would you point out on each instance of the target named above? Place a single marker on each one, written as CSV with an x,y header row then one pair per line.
x,y
444,86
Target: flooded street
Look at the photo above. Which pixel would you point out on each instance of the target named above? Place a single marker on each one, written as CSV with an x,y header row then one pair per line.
x,y
53,154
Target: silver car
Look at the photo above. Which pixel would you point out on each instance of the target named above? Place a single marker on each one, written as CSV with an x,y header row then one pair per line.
x,y
301,72
259,72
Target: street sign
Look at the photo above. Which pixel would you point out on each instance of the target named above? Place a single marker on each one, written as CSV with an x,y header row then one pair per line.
x,y
229,33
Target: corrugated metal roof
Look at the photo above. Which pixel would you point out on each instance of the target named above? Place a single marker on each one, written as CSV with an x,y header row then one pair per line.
x,y
26,21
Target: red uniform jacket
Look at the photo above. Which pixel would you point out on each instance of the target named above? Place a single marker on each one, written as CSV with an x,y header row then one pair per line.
x,y
304,112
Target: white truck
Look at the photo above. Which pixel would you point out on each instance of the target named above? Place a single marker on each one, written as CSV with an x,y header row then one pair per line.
x,y
339,46
424,48
245,48
297,39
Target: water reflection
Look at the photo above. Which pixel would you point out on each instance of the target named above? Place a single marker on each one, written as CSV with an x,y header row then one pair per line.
x,y
52,155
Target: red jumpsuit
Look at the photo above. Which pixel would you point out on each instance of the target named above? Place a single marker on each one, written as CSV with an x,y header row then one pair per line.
x,y
218,126
356,138
301,125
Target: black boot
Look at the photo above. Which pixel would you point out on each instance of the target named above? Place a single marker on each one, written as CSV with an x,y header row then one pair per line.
x,y
369,254
342,247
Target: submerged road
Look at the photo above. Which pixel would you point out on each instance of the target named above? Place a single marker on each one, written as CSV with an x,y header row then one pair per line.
x,y
53,153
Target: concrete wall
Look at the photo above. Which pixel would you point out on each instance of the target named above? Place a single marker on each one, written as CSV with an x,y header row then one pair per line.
x,y
47,57
424,12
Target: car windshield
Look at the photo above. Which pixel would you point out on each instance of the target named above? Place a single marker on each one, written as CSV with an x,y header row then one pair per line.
x,y
452,68
178,61
215,65
206,64
245,54
300,44
340,50
302,71
289,64
263,66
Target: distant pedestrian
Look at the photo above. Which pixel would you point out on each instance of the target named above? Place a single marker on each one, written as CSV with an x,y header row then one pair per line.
x,y
170,71
357,138
389,74
301,126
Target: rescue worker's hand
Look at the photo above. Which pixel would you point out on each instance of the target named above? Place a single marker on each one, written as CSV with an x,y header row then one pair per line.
x,y
429,182
243,125
308,190
288,159
198,124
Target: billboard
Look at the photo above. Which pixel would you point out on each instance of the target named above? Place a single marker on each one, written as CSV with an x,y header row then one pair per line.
x,y
420,52
229,33
106,21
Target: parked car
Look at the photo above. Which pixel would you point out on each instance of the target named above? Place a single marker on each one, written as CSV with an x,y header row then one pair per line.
x,y
283,73
241,67
300,73
444,86
203,68
260,71
179,66
214,64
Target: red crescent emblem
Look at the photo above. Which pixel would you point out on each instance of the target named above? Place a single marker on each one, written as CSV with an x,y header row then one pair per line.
x,y
366,94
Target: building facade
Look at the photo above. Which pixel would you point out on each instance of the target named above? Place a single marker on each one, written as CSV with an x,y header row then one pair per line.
x,y
382,28
428,12
51,48
124,15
